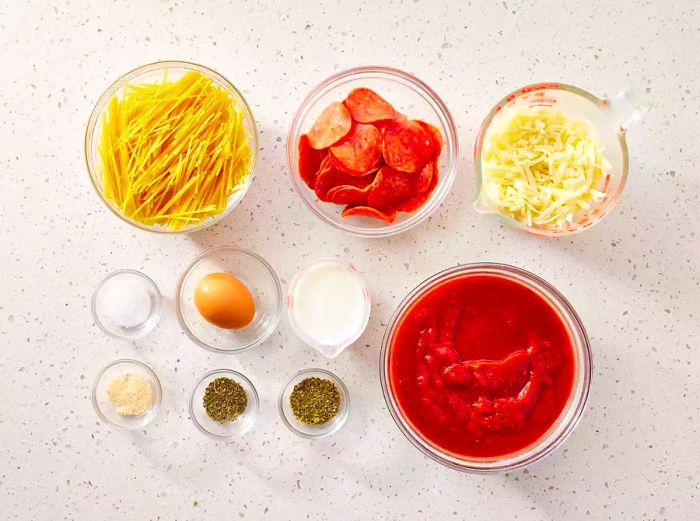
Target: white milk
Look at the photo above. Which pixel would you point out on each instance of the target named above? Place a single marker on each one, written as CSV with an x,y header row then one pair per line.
x,y
329,307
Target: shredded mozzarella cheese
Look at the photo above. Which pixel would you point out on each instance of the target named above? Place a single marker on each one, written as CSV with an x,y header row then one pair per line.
x,y
542,167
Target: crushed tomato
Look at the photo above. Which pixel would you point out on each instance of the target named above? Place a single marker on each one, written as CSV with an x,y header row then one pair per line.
x,y
481,365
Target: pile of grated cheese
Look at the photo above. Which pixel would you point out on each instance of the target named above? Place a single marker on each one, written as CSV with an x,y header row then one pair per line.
x,y
542,167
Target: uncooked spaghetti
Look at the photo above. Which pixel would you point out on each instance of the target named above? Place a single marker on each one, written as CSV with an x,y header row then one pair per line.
x,y
172,152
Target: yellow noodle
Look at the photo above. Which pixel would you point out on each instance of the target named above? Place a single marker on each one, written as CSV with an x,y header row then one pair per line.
x,y
173,152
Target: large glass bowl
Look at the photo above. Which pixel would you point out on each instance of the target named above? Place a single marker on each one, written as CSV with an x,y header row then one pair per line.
x,y
570,415
149,73
407,94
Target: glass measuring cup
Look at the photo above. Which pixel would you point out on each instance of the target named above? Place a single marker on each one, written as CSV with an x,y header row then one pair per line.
x,y
610,117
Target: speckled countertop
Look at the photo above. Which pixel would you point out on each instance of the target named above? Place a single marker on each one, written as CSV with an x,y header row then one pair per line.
x,y
634,279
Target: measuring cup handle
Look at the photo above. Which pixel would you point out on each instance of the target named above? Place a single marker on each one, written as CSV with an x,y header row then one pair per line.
x,y
629,106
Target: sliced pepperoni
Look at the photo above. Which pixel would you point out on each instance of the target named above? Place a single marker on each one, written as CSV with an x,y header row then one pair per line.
x,y
422,180
407,146
331,126
340,166
388,216
347,194
360,151
415,202
331,177
366,106
389,188
309,161
325,165
435,135
381,125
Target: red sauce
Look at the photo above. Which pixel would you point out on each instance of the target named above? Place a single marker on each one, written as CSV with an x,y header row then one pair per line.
x,y
481,365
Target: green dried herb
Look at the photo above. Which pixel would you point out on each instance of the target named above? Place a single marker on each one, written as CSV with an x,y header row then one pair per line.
x,y
225,400
315,401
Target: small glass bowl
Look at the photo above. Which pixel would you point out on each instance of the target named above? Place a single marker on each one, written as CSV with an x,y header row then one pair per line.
x,y
327,350
314,431
139,283
257,275
150,73
560,429
407,94
104,408
212,428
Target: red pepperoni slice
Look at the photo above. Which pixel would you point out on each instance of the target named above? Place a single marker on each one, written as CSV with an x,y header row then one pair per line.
x,y
360,151
422,180
330,127
339,166
407,145
388,216
389,188
309,161
436,135
331,177
381,125
366,106
347,194
325,165
414,203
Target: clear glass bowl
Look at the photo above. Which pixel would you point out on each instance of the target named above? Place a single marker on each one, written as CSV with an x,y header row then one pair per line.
x,y
150,73
610,117
570,415
104,408
257,275
134,282
327,350
212,428
407,94
314,431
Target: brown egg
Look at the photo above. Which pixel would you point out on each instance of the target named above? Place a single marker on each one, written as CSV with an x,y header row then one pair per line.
x,y
224,301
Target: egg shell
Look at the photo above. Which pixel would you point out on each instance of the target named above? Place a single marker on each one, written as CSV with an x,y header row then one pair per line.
x,y
224,301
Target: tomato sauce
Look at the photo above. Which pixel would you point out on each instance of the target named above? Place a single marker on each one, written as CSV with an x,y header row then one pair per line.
x,y
481,365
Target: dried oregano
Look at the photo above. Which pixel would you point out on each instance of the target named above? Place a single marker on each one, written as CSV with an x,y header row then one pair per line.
x,y
315,401
225,400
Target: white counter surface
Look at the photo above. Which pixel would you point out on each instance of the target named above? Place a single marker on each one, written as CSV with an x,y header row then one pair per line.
x,y
633,279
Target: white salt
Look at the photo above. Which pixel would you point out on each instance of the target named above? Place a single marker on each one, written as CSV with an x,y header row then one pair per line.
x,y
127,303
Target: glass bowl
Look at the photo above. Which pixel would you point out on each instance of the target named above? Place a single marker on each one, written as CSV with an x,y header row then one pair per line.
x,y
257,275
329,350
560,429
212,428
150,73
611,119
134,282
314,431
407,94
104,408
